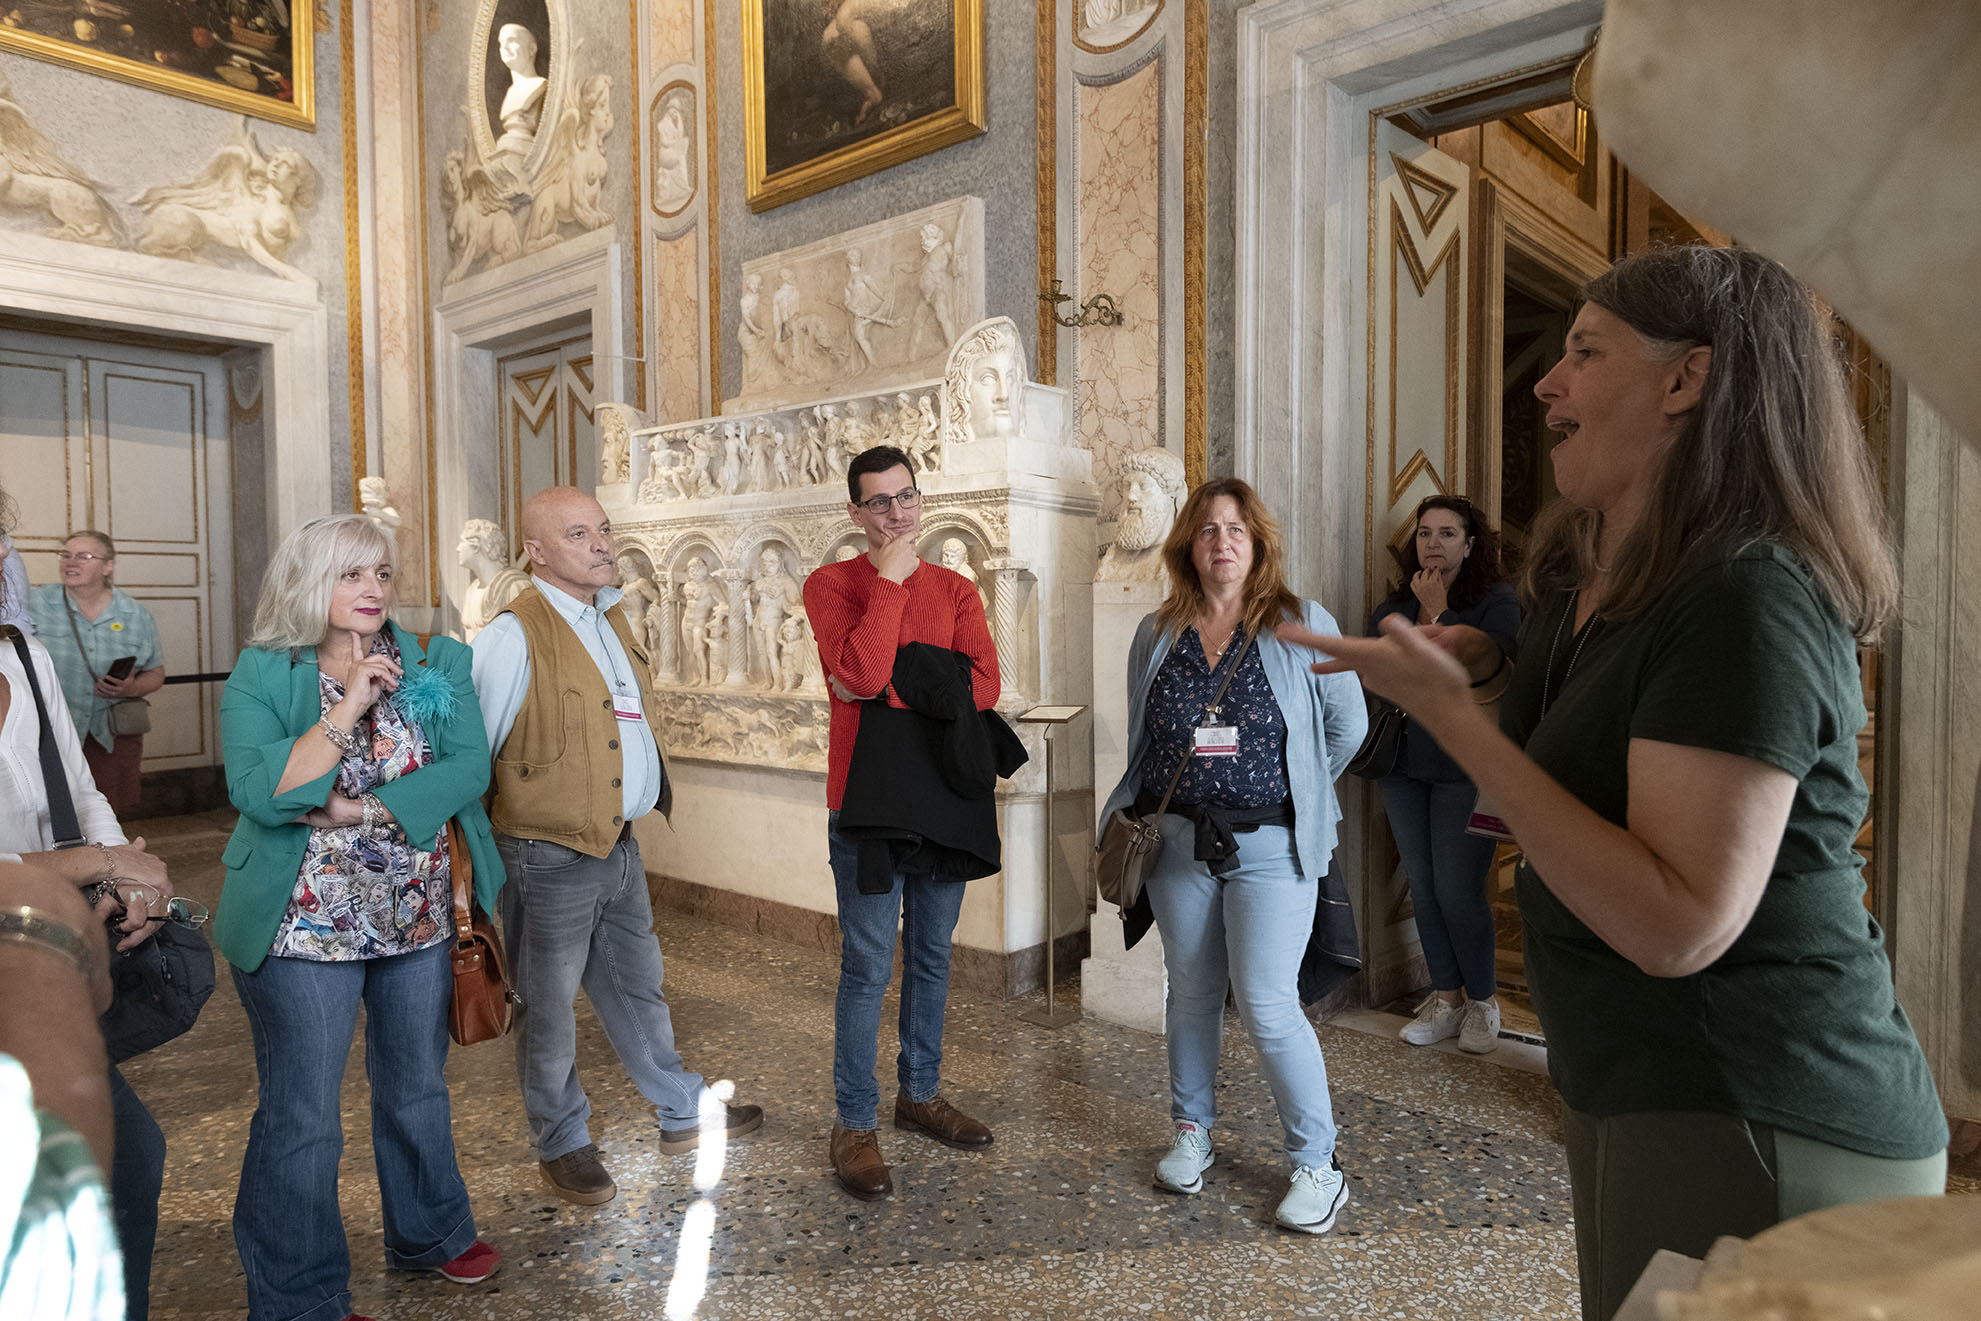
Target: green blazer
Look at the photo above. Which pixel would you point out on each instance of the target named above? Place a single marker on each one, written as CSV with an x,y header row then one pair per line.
x,y
271,701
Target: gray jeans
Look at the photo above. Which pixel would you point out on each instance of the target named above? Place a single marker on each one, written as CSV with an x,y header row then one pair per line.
x,y
572,921
1680,1179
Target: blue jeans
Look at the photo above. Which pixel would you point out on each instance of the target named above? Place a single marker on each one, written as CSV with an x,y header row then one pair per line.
x,y
1447,870
286,1223
1247,929
926,908
137,1172
576,922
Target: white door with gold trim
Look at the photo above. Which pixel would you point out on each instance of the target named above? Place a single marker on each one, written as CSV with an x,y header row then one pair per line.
x,y
548,435
133,441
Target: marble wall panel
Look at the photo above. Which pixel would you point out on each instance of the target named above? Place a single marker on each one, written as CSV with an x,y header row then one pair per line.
x,y
1119,398
675,355
672,23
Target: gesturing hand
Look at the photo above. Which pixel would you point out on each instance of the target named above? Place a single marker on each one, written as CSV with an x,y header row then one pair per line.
x,y
1403,666
895,558
1427,585
373,676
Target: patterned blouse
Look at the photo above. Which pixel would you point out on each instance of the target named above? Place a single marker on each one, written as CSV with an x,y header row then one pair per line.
x,y
1183,686
362,896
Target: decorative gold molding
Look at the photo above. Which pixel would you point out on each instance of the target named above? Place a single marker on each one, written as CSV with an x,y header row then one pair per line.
x,y
932,132
1046,172
636,134
354,273
298,112
431,510
711,217
1442,193
1196,221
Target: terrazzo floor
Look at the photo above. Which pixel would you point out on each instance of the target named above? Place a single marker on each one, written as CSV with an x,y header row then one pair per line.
x,y
1459,1210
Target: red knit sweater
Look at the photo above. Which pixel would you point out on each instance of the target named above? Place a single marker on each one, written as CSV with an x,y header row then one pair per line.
x,y
860,619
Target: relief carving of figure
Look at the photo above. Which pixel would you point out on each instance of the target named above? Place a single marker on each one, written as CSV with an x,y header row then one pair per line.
x,y
667,472
862,431
570,187
956,559
735,458
242,200
983,390
642,600
929,439
866,305
522,104
835,438
942,267
783,308
774,593
812,464
493,580
759,358
34,177
701,458
479,223
918,434
375,503
762,438
798,653
1151,486
699,602
715,635
615,447
780,453
673,173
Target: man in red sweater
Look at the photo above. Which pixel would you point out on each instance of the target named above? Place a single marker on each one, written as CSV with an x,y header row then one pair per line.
x,y
862,611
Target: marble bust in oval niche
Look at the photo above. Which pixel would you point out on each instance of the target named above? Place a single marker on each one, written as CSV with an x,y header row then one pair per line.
x,y
514,72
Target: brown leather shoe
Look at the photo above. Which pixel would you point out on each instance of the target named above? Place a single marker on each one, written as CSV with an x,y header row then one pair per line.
x,y
579,1176
738,1120
857,1163
941,1121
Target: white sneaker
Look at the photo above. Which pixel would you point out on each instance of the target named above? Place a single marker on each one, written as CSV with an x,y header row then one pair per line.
x,y
1434,1023
1480,1030
1314,1200
1182,1170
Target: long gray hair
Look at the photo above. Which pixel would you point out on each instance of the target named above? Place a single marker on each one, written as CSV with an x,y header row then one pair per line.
x,y
1772,452
294,610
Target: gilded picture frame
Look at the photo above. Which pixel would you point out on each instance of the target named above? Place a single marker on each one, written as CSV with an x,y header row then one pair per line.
x,y
869,89
260,66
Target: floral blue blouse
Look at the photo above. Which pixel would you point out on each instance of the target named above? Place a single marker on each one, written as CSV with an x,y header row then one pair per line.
x,y
1184,685
370,896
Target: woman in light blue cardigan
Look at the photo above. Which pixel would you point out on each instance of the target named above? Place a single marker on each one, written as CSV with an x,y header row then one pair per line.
x,y
1249,830
348,749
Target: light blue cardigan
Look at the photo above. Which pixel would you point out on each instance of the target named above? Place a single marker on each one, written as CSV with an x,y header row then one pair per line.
x,y
1326,718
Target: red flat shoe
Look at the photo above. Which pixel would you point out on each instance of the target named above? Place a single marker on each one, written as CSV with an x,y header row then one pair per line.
x,y
473,1266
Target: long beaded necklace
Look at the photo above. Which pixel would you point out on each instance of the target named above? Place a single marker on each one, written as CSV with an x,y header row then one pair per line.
x,y
1554,649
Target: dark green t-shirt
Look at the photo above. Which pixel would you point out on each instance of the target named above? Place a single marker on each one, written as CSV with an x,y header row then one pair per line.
x,y
1797,1024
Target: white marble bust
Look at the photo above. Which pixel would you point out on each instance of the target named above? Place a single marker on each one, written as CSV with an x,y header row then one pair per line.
x,y
1152,488
492,581
983,387
522,104
375,502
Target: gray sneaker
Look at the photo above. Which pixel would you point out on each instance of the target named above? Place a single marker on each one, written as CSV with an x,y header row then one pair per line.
x,y
1434,1023
1479,1028
1182,1170
579,1176
1314,1200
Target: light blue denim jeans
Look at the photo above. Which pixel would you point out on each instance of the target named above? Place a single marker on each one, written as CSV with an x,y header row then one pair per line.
x,y
571,922
302,1014
1249,929
926,909
1447,871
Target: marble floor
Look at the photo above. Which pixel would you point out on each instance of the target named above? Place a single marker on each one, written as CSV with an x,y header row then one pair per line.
x,y
1459,1210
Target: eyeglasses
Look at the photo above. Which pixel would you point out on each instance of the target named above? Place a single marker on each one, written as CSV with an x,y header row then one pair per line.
x,y
877,506
83,556
186,912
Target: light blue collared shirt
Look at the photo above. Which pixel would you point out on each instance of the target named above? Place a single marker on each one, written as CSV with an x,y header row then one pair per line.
x,y
502,680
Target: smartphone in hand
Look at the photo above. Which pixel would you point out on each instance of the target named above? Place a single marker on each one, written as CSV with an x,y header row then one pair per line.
x,y
121,667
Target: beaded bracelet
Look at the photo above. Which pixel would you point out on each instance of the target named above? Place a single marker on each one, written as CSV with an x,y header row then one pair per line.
x,y
342,741
374,812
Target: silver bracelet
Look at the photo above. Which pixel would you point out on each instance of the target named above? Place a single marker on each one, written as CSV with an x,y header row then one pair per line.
x,y
338,738
30,926
374,812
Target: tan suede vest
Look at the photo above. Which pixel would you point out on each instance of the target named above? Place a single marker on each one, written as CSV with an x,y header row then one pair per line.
x,y
557,774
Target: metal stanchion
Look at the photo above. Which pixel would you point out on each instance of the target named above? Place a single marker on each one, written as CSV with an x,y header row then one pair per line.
x,y
1051,717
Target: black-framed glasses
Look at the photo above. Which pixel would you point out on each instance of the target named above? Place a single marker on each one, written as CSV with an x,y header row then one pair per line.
x,y
877,505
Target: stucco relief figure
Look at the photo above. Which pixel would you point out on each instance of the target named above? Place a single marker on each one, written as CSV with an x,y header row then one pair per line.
x,y
700,599
778,446
1105,22
866,305
642,599
35,178
701,464
667,472
522,104
929,438
615,447
1151,487
783,309
761,438
492,580
242,201
375,503
916,431
956,558
835,432
799,654
774,594
760,362
735,458
942,268
570,187
715,643
812,464
479,222
673,167
844,553
864,429
983,390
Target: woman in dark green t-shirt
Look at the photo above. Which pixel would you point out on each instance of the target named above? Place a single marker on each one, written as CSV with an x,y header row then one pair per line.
x,y
1679,765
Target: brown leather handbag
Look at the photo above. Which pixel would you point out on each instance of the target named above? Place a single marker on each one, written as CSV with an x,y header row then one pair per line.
x,y
484,1006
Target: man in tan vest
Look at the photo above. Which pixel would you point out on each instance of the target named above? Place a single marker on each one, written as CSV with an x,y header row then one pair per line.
x,y
570,712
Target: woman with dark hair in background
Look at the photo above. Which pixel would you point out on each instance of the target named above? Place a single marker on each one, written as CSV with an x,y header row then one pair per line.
x,y
1451,581
1680,768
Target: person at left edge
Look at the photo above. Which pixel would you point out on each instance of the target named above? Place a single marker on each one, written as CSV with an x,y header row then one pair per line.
x,y
576,913
346,763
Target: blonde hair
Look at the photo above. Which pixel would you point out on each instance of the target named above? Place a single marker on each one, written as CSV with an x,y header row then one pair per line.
x,y
294,610
1267,599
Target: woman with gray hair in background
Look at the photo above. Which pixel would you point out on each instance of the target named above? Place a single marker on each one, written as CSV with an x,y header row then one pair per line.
x,y
1679,767
348,750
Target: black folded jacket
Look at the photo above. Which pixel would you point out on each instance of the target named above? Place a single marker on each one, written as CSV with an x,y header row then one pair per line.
x,y
920,792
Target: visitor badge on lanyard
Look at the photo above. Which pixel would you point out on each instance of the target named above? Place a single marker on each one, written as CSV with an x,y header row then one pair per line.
x,y
627,707
1215,740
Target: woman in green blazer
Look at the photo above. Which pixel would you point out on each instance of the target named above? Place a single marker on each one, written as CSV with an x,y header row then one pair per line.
x,y
348,749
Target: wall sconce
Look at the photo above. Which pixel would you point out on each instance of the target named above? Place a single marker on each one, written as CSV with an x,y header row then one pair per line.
x,y
1096,311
